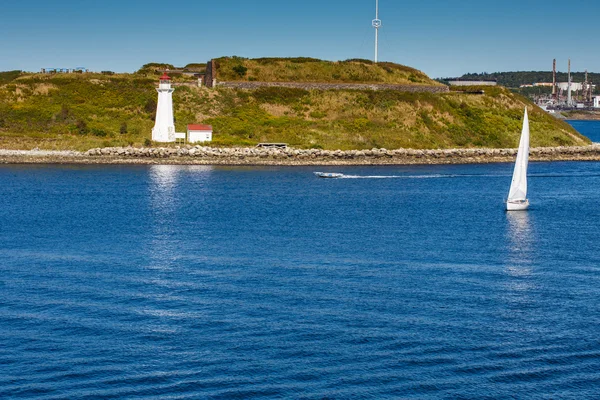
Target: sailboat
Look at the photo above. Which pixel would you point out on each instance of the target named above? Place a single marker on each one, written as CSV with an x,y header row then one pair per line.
x,y
517,197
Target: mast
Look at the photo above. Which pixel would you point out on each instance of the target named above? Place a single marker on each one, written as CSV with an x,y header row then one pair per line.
x,y
554,79
376,25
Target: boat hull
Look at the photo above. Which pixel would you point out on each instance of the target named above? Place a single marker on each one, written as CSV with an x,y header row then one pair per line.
x,y
517,205
331,175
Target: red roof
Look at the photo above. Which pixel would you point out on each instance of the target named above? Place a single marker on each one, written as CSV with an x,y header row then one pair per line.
x,y
165,77
197,127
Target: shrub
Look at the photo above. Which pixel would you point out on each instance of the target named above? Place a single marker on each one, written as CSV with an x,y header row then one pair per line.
x,y
8,76
123,128
81,127
99,132
64,113
240,70
150,105
279,95
275,60
147,142
359,60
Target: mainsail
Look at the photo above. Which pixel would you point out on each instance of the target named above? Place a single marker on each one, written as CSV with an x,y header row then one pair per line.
x,y
518,187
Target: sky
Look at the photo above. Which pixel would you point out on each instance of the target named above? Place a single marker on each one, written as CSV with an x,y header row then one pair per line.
x,y
443,38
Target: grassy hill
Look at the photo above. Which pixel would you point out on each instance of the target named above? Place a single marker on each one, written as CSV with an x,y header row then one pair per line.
x,y
303,69
81,111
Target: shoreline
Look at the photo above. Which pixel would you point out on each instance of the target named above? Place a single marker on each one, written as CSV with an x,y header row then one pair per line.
x,y
198,155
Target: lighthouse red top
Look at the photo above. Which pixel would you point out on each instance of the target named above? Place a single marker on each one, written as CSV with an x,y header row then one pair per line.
x,y
165,77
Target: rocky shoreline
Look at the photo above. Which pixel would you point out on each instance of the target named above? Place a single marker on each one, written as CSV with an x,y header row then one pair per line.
x,y
199,155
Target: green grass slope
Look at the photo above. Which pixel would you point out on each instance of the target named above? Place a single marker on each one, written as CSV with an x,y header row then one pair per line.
x,y
81,111
313,70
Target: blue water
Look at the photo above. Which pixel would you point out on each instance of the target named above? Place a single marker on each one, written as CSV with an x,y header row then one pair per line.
x,y
591,129
206,282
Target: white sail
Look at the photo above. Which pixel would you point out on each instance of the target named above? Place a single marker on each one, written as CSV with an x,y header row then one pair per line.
x,y
518,187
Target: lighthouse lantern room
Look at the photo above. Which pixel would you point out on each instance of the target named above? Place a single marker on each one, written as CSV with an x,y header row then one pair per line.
x,y
164,128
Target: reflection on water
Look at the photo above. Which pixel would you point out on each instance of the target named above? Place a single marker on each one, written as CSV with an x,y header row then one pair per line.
x,y
519,231
165,201
520,259
163,182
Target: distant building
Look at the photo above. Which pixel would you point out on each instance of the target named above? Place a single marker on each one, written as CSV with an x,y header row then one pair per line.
x,y
469,82
543,84
596,101
199,133
575,87
64,70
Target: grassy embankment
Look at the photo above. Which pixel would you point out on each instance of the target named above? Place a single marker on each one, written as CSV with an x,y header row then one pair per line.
x,y
313,70
94,110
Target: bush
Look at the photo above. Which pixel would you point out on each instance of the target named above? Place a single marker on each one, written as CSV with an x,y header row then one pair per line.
x,y
8,76
147,142
150,106
279,95
64,114
123,128
81,127
275,60
240,70
99,132
359,60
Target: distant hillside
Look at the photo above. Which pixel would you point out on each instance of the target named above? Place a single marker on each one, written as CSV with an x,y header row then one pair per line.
x,y
159,68
81,111
303,69
516,79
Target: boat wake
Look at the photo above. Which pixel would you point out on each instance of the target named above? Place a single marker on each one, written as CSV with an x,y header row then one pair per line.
x,y
448,176
433,176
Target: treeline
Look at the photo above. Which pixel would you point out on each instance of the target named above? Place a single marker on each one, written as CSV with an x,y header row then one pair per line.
x,y
516,79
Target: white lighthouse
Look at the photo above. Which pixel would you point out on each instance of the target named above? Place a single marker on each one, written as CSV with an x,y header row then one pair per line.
x,y
164,128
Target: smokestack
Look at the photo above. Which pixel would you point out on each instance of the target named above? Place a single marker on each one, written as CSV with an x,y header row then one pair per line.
x,y
554,79
569,86
584,87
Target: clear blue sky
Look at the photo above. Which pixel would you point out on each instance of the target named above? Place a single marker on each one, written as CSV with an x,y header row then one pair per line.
x,y
442,38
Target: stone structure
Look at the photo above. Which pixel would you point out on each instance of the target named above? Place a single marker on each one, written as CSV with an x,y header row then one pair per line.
x,y
291,156
467,82
210,77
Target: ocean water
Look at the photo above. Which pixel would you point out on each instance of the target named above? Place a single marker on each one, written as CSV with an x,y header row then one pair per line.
x,y
591,129
187,282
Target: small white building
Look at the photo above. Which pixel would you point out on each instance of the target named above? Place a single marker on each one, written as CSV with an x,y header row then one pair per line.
x,y
199,133
596,101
